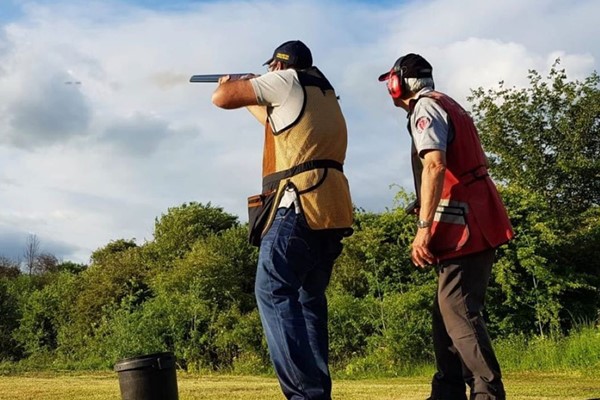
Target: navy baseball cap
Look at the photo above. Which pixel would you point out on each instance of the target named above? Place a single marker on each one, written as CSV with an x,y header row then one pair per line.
x,y
294,53
412,66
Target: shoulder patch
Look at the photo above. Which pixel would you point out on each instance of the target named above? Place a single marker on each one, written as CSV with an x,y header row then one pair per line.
x,y
423,123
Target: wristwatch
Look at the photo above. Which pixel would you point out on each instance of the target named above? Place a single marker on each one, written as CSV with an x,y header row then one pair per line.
x,y
423,224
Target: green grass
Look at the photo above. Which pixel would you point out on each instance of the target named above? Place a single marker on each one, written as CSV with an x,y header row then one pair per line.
x,y
579,351
105,386
567,368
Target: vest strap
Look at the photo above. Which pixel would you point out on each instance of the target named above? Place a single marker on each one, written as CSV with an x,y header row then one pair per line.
x,y
271,181
474,175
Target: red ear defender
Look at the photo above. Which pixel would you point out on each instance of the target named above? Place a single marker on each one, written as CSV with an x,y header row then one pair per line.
x,y
394,85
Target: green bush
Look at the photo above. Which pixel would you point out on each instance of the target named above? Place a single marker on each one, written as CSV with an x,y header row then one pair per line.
x,y
44,313
350,325
9,310
387,336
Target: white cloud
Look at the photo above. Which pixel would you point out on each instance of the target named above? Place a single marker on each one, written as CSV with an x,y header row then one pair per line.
x,y
83,164
138,135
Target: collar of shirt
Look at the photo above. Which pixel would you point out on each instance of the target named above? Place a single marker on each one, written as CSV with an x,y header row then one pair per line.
x,y
412,103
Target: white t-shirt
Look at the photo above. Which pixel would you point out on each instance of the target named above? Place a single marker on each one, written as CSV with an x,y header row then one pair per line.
x,y
283,95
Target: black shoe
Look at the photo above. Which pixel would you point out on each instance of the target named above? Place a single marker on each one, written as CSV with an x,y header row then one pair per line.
x,y
445,398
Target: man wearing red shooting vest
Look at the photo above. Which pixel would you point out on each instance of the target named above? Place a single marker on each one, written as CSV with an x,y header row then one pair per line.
x,y
461,222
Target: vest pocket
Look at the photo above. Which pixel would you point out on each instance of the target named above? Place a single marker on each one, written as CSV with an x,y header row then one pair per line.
x,y
259,209
449,231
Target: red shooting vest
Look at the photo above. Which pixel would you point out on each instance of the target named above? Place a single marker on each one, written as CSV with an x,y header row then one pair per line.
x,y
470,216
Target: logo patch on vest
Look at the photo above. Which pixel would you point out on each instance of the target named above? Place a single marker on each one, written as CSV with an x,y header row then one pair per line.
x,y
423,123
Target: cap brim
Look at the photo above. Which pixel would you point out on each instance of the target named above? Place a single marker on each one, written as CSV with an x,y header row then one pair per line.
x,y
384,77
269,61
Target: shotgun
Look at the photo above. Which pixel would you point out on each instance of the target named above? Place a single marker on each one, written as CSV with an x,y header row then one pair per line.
x,y
213,78
412,207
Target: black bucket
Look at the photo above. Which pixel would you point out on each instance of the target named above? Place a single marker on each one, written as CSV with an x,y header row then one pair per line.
x,y
149,377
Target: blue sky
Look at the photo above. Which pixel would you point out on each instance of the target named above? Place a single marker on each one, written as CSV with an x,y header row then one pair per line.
x,y
81,165
13,9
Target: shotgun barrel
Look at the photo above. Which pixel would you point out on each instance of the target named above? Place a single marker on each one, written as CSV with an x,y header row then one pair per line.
x,y
212,78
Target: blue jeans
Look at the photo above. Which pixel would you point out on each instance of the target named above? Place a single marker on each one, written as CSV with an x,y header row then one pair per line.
x,y
294,268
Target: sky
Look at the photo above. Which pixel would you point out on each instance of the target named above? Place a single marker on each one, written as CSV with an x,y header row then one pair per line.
x,y
101,132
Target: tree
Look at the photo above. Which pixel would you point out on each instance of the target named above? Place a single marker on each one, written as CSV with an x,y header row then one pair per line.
x,y
32,248
8,268
45,313
118,270
115,246
202,308
72,267
176,231
379,300
545,138
543,143
45,263
376,258
9,309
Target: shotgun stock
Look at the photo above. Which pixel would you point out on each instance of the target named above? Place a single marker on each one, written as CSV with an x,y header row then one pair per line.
x,y
412,207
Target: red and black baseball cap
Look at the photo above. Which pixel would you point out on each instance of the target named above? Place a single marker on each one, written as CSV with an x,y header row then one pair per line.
x,y
412,66
293,52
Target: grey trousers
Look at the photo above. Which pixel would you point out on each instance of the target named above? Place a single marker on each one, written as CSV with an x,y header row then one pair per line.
x,y
463,349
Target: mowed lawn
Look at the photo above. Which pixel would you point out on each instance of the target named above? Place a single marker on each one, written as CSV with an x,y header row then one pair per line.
x,y
105,386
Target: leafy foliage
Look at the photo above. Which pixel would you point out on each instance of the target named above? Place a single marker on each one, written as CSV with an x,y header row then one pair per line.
x,y
44,313
9,309
543,143
176,231
545,138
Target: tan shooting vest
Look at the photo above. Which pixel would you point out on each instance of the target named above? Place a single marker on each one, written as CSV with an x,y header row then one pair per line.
x,y
308,155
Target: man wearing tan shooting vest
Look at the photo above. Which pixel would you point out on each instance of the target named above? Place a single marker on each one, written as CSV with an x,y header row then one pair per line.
x,y
461,222
302,213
